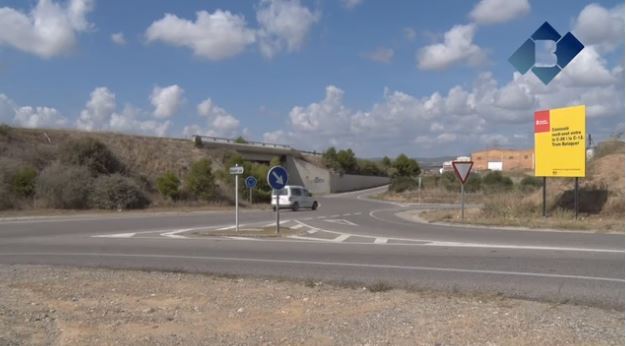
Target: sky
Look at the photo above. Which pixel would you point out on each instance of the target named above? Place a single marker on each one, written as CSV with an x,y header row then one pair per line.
x,y
425,78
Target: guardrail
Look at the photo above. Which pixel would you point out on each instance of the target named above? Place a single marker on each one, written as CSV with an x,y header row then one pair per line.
x,y
210,139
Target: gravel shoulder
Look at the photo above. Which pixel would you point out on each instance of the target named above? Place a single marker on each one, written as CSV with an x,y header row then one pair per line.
x,y
41,305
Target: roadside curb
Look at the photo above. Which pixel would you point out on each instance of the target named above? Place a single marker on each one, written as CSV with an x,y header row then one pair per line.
x,y
420,220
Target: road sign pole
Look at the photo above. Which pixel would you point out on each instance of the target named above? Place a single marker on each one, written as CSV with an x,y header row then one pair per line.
x,y
544,196
237,202
250,194
576,198
462,202
277,213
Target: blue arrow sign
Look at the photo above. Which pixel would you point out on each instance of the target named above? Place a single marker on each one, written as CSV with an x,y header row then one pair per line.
x,y
277,177
251,182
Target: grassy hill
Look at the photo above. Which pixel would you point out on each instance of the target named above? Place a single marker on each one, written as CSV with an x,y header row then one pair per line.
x,y
26,152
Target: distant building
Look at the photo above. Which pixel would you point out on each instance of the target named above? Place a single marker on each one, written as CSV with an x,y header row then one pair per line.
x,y
504,160
447,165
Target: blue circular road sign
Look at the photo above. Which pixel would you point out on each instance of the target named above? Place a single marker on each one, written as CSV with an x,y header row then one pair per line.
x,y
277,177
251,182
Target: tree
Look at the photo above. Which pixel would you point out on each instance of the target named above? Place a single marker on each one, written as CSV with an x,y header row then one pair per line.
x,y
241,140
168,185
387,162
200,181
406,167
347,161
330,159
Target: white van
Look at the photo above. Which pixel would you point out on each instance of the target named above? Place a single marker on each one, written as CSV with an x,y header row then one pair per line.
x,y
294,197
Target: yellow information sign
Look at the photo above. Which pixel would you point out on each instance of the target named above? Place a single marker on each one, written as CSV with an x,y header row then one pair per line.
x,y
560,142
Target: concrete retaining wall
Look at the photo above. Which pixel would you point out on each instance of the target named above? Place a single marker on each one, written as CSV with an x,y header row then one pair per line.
x,y
319,180
351,182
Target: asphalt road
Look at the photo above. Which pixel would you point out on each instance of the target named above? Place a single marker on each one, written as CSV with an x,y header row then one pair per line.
x,y
349,239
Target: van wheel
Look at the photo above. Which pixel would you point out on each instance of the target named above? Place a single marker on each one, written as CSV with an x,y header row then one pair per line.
x,y
295,206
314,206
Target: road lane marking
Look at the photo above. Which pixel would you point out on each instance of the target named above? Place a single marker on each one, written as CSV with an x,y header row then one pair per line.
x,y
341,238
226,228
117,235
175,235
381,241
298,226
341,222
312,231
329,264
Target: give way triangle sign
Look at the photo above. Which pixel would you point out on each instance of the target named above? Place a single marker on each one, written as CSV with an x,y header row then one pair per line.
x,y
462,169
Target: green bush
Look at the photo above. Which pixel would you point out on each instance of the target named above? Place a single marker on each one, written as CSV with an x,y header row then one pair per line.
x,y
168,185
528,183
401,184
23,182
64,187
197,141
6,202
92,154
496,182
5,130
117,192
473,183
406,167
200,182
449,181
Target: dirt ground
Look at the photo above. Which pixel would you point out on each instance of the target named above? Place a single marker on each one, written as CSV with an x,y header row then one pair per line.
x,y
42,305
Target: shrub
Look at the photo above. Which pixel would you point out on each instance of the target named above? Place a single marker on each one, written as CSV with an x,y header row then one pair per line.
x,y
449,181
92,154
23,182
496,182
528,183
405,166
6,202
5,130
473,183
197,141
168,185
401,184
64,187
200,182
117,192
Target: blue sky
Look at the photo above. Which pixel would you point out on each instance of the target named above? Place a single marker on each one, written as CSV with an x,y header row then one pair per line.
x,y
423,78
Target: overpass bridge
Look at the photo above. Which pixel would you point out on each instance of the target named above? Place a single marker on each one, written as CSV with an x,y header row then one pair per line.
x,y
302,166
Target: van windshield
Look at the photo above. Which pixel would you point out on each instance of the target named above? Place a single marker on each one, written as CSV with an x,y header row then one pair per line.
x,y
281,192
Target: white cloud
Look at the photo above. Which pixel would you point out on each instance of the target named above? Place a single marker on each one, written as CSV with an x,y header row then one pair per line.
x,y
220,123
29,116
214,36
350,4
381,54
457,48
284,24
48,30
600,26
33,117
99,108
166,101
499,11
118,38
485,114
100,114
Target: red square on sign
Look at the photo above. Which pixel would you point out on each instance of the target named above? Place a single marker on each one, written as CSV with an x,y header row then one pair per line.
x,y
542,121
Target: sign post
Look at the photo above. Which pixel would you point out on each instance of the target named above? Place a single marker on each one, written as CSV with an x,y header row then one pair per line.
x,y
277,179
462,170
560,146
236,171
250,184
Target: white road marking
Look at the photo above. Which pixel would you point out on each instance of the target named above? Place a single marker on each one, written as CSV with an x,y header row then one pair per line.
x,y
298,226
320,263
118,235
312,231
341,238
336,215
341,222
175,235
347,214
227,228
381,241
321,217
358,213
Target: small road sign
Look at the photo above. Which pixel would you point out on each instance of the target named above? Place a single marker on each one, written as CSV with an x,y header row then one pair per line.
x,y
251,182
462,169
277,177
236,170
